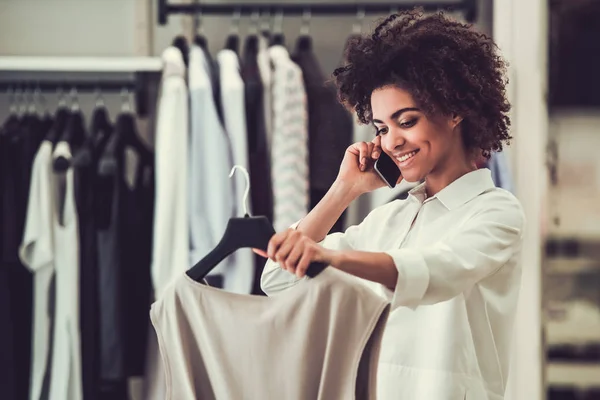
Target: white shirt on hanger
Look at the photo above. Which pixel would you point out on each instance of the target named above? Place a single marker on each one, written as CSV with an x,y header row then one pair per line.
x,y
65,372
448,334
240,276
211,189
171,236
289,148
37,254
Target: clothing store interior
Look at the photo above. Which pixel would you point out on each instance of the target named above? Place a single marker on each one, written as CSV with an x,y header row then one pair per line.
x,y
148,146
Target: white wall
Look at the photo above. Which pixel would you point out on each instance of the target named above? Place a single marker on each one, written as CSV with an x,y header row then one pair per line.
x,y
110,27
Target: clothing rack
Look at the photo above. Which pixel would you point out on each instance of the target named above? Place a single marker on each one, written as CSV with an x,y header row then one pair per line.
x,y
80,75
469,7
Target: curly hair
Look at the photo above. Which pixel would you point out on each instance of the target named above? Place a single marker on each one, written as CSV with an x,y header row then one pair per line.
x,y
447,67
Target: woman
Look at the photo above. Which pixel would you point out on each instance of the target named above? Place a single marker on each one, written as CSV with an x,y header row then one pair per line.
x,y
446,257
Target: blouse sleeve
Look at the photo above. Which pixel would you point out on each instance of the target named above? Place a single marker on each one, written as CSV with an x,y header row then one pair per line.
x,y
485,244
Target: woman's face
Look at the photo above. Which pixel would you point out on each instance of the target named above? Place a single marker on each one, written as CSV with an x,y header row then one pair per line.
x,y
420,145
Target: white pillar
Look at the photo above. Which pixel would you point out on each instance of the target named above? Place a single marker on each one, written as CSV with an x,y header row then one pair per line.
x,y
520,29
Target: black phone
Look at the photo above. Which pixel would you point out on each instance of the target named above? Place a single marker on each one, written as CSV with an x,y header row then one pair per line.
x,y
387,169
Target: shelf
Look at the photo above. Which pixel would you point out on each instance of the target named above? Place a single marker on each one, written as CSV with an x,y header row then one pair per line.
x,y
80,64
573,374
571,265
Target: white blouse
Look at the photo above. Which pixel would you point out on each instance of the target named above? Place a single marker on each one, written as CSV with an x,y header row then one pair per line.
x,y
457,255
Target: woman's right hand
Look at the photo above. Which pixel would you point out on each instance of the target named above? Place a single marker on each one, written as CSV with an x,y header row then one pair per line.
x,y
357,169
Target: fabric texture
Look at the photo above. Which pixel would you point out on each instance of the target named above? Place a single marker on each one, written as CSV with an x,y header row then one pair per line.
x,y
286,350
289,151
457,254
170,249
329,125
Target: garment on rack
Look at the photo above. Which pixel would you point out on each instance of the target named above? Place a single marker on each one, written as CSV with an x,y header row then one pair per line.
x,y
37,252
65,381
170,244
211,190
22,139
261,192
289,150
124,232
329,125
85,163
286,350
240,276
263,60
7,353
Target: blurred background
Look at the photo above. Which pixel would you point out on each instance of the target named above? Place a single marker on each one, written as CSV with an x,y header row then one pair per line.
x,y
109,62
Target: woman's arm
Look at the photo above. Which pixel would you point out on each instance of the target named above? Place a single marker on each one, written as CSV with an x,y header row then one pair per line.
x,y
315,226
423,275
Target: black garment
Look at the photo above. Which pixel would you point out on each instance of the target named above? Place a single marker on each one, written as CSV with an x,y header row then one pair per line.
x,y
21,138
124,240
261,191
7,380
329,126
85,163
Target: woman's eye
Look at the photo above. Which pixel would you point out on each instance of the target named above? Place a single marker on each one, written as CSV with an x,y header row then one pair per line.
x,y
381,131
409,123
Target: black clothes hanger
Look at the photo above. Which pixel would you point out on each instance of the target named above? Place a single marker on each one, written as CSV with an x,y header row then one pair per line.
x,y
126,130
246,232
181,43
233,42
277,39
74,134
233,39
60,122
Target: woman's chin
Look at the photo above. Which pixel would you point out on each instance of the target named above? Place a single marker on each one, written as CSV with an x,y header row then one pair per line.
x,y
411,176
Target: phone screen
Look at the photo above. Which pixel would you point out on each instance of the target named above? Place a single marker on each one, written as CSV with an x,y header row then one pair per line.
x,y
387,169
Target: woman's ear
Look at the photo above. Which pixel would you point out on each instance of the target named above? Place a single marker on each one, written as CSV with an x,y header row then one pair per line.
x,y
456,119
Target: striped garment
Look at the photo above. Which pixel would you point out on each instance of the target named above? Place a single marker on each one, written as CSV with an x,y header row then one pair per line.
x,y
289,148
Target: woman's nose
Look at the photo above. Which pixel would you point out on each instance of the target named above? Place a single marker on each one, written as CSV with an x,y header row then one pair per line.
x,y
393,141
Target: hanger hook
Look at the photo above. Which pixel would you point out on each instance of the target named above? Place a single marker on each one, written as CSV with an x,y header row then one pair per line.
x,y
278,22
254,18
99,98
360,16
198,21
74,99
306,17
11,100
265,23
235,21
247,191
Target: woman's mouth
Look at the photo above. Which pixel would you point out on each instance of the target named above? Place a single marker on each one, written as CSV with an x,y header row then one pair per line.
x,y
406,158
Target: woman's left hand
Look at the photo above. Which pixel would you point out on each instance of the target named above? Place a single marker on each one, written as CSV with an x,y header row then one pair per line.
x,y
294,251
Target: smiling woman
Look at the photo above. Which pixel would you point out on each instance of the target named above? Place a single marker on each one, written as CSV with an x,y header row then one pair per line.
x,y
446,258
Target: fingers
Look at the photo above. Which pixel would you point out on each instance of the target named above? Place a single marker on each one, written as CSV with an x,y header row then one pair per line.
x,y
286,247
376,147
304,263
275,242
363,153
261,253
291,261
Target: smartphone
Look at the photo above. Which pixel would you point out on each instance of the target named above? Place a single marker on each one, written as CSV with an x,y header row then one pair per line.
x,y
387,169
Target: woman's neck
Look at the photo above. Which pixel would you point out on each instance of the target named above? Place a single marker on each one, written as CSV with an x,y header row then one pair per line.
x,y
441,177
